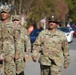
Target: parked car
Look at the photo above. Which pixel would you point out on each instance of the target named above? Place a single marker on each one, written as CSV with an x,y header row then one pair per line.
x,y
34,34
68,33
74,29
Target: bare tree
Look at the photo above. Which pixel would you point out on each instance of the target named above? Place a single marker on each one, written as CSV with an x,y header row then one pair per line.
x,y
20,7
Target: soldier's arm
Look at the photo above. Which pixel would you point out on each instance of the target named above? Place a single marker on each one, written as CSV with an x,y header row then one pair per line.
x,y
16,34
17,49
37,46
27,43
66,53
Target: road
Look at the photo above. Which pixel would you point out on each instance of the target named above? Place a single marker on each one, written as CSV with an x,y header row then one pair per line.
x,y
33,68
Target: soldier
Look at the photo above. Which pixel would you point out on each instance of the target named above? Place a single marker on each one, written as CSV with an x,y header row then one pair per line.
x,y
8,48
22,44
53,46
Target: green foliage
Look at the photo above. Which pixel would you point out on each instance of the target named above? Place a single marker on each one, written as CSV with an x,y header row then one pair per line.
x,y
72,9
38,9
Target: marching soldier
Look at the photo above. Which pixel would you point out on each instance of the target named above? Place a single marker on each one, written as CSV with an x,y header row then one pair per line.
x,y
22,45
8,47
53,46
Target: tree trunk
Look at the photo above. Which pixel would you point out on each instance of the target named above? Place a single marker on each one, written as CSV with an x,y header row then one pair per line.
x,y
20,7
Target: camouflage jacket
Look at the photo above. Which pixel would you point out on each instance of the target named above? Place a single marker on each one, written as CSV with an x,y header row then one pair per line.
x,y
22,41
53,45
7,39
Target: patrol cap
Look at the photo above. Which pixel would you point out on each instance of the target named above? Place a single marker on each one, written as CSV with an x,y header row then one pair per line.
x,y
5,9
53,19
15,18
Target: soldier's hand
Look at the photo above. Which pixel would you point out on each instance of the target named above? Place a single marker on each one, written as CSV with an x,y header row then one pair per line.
x,y
1,58
66,65
16,57
34,59
26,56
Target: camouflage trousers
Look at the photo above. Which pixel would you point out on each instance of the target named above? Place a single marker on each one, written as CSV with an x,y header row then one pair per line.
x,y
1,68
20,65
9,67
51,70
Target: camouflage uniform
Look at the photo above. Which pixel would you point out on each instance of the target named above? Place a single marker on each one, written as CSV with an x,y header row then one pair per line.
x,y
52,46
22,43
8,48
